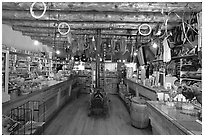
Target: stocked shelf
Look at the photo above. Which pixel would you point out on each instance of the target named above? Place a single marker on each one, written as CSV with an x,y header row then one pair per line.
x,y
22,60
191,79
180,57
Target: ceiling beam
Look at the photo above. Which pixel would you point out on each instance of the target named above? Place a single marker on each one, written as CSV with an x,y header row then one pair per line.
x,y
93,17
74,26
110,6
52,29
49,38
51,23
78,32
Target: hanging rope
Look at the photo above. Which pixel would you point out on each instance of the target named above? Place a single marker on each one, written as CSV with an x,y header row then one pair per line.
x,y
125,49
86,45
186,23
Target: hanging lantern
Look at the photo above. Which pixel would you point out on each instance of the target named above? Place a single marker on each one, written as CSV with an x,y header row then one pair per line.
x,y
83,58
76,58
93,39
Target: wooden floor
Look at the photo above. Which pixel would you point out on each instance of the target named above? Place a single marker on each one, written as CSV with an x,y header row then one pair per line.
x,y
73,120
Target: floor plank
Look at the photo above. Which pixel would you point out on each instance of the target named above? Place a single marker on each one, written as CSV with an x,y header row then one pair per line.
x,y
73,120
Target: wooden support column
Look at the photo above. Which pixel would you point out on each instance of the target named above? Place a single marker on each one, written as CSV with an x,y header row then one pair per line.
x,y
98,39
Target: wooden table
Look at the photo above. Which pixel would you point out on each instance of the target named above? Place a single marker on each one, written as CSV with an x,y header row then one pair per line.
x,y
167,120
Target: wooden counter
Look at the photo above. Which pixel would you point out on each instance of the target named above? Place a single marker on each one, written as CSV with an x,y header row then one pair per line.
x,y
144,91
54,96
167,120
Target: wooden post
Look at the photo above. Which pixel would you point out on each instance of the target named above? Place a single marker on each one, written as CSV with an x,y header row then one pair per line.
x,y
137,92
199,18
98,57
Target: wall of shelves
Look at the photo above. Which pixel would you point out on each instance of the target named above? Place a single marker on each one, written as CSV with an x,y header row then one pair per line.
x,y
22,64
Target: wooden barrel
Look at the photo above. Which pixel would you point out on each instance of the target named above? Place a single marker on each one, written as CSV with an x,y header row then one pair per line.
x,y
138,113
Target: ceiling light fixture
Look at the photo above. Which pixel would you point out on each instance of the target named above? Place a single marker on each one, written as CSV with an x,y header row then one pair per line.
x,y
158,33
135,53
93,39
36,42
154,45
57,34
58,52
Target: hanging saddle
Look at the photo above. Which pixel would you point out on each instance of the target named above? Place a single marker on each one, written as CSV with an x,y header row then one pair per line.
x,y
97,99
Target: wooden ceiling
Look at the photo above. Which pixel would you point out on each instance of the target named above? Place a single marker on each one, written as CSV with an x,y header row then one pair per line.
x,y
114,18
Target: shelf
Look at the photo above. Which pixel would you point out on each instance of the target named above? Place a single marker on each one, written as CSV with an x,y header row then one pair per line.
x,y
186,64
22,61
12,89
190,71
157,60
181,57
82,76
20,54
26,55
191,79
21,67
187,56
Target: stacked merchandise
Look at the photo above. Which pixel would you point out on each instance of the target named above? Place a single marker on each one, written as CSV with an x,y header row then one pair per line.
x,y
111,85
129,72
27,86
122,90
102,75
111,82
85,79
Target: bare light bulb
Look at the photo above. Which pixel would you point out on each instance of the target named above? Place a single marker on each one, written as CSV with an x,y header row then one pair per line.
x,y
158,33
36,42
142,67
93,39
57,35
58,52
154,45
